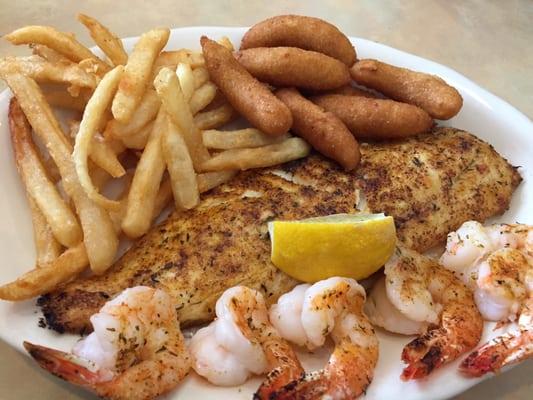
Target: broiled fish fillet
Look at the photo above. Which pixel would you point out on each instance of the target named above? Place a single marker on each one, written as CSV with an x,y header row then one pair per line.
x,y
431,184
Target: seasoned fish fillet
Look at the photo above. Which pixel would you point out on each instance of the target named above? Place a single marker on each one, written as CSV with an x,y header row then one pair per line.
x,y
431,184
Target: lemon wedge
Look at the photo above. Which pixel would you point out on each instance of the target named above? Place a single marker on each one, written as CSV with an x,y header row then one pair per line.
x,y
349,245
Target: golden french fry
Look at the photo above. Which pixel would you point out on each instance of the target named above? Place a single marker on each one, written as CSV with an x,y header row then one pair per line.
x,y
145,184
215,118
47,248
103,152
99,236
44,71
61,98
186,79
39,187
202,97
104,156
200,76
242,138
110,44
266,156
180,168
61,42
48,277
118,215
171,59
224,41
137,73
164,195
97,104
196,59
48,54
210,180
145,112
138,141
173,102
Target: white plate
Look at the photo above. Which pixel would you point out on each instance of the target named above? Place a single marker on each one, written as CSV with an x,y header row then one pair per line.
x,y
483,114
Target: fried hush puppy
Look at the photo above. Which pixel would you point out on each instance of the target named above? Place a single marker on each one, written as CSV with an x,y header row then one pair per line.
x,y
307,33
247,95
322,129
376,118
350,90
426,91
290,66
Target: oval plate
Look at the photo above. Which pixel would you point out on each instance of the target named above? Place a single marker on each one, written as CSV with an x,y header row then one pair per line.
x,y
483,114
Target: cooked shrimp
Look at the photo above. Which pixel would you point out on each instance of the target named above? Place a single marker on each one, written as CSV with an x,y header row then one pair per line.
x,y
332,306
502,278
495,268
383,313
507,349
423,291
136,351
242,342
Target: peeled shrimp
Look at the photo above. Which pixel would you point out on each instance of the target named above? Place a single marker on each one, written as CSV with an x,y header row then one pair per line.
x,y
493,261
242,342
310,313
501,276
136,350
424,292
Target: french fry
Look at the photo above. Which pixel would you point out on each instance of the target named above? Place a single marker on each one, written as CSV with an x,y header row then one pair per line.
x,y
39,187
110,44
145,112
242,138
196,59
44,71
48,277
97,104
171,59
137,73
173,102
202,97
103,155
47,248
224,41
266,156
180,168
48,54
138,141
103,152
200,76
210,180
164,195
99,238
61,98
215,118
61,42
117,216
146,181
186,79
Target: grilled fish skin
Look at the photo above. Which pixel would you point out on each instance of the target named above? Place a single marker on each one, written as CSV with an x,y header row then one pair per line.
x,y
431,184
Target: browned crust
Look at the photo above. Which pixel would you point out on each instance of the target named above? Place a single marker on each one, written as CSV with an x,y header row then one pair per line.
x,y
307,33
431,184
290,66
248,96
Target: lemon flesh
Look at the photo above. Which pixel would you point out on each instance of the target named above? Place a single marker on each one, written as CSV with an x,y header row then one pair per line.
x,y
313,249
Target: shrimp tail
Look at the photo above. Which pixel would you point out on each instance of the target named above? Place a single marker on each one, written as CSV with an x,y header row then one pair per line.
x,y
313,385
62,365
422,355
279,352
496,354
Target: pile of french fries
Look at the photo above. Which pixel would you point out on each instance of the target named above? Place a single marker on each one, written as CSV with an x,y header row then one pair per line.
x,y
148,117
